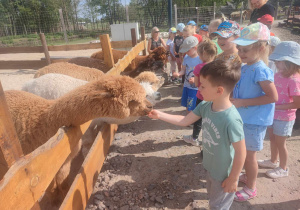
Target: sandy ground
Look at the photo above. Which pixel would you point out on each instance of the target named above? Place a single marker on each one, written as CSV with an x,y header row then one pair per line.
x,y
149,166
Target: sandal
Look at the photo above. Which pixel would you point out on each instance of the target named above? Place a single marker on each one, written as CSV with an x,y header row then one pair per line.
x,y
243,178
244,194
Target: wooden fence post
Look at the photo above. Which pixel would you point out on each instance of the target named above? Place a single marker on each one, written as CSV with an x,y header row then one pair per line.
x,y
133,37
45,47
10,148
106,49
143,37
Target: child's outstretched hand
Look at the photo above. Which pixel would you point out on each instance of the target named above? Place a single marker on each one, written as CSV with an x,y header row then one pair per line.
x,y
229,185
175,74
154,114
192,80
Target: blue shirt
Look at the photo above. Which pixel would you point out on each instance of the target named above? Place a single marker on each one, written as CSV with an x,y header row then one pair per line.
x,y
248,87
190,64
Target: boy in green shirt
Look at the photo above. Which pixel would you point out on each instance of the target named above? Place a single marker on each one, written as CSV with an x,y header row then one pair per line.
x,y
224,149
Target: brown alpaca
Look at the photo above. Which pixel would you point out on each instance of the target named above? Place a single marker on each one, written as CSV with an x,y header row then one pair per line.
x,y
153,62
37,119
76,71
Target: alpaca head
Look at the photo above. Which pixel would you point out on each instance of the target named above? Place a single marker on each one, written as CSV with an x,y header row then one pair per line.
x,y
158,58
149,77
117,97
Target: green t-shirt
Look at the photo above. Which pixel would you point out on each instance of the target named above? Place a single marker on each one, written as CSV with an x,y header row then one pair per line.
x,y
219,131
219,50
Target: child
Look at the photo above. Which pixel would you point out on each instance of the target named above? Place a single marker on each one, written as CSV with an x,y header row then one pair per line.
x,y
170,46
223,138
178,40
287,82
213,27
227,32
207,52
194,27
274,41
254,96
267,20
189,46
203,31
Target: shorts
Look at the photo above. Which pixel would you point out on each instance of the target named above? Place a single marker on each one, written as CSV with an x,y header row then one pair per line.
x,y
254,136
282,128
189,98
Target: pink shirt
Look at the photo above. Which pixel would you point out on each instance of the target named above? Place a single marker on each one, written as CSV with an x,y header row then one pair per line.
x,y
286,89
196,72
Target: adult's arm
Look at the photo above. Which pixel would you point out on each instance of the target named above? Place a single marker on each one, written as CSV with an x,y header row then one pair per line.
x,y
149,46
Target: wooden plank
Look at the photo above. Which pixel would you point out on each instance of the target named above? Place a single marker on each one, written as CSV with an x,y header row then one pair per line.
x,y
44,44
106,49
120,44
26,181
23,64
10,147
114,44
8,50
133,37
143,37
74,47
84,182
126,60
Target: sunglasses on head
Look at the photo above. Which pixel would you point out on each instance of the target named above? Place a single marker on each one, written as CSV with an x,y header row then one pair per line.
x,y
156,32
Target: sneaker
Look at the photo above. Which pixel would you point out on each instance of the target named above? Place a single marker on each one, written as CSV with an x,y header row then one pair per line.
x,y
267,164
189,139
277,173
245,194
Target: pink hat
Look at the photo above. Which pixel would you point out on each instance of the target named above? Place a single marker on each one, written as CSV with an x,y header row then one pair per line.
x,y
253,33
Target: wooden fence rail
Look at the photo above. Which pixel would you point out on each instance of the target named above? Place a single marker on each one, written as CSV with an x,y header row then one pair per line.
x,y
29,176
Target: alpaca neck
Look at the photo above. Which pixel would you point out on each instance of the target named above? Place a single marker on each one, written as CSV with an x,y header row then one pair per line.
x,y
140,59
70,110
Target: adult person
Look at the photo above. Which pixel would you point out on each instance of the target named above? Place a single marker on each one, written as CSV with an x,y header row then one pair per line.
x,y
155,40
260,8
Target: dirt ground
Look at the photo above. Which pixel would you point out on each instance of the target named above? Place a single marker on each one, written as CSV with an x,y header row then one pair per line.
x,y
149,166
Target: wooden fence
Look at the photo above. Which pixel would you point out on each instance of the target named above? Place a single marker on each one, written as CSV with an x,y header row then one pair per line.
x,y
27,177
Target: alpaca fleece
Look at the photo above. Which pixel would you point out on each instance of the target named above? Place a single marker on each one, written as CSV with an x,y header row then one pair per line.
x,y
37,119
73,70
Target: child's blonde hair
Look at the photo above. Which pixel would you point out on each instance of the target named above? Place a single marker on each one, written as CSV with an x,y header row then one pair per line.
x,y
290,69
207,49
214,24
189,30
263,50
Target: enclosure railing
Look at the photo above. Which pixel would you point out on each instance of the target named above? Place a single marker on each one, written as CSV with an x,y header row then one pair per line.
x,y
25,178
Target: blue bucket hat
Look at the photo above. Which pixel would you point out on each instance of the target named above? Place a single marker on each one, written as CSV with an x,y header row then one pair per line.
x,y
204,27
180,27
228,28
287,51
192,23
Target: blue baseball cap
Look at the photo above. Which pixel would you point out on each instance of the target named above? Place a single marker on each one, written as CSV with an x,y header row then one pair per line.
x,y
204,27
287,51
192,23
180,27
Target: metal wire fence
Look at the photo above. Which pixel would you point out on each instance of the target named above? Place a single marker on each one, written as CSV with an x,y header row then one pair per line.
x,y
60,28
